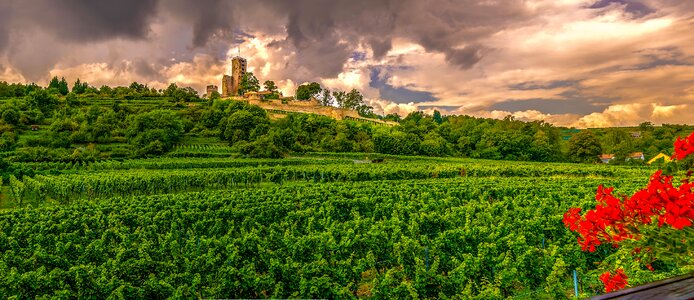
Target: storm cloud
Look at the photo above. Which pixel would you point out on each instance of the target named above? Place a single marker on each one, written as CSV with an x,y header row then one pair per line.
x,y
470,54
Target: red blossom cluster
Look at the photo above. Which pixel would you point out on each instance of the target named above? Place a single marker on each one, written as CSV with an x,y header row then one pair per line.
x,y
613,283
614,220
684,147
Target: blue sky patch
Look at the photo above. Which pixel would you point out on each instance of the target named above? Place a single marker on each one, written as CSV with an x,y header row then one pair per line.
x,y
397,94
551,106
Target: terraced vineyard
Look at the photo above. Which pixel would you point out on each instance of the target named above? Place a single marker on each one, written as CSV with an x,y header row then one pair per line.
x,y
323,227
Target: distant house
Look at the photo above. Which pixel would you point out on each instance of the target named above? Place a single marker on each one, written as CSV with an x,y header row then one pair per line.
x,y
665,157
34,127
606,158
635,134
636,155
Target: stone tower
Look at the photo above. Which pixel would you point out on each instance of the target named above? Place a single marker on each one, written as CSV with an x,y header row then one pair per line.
x,y
230,84
226,86
238,69
210,89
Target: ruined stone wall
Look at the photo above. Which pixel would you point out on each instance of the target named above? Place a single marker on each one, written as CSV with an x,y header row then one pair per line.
x,y
226,85
275,106
209,90
238,69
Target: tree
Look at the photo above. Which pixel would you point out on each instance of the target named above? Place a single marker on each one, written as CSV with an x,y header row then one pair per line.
x,y
339,97
54,83
270,86
584,147
239,125
264,147
434,145
366,111
353,99
58,85
138,87
326,98
248,83
10,116
180,94
79,87
42,100
306,91
392,117
437,117
155,131
212,97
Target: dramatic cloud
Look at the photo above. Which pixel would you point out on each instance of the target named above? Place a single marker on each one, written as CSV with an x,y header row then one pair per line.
x,y
579,63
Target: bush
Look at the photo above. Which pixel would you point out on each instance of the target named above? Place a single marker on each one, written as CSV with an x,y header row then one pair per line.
x,y
146,129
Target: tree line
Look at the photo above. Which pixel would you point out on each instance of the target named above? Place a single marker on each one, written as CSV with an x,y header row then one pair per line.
x,y
76,127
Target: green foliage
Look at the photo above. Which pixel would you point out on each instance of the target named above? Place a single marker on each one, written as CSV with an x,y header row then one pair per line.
x,y
16,89
437,117
249,83
8,140
155,131
359,235
264,147
434,145
396,142
10,116
42,100
306,91
80,87
185,94
584,147
242,124
417,134
270,86
326,98
58,85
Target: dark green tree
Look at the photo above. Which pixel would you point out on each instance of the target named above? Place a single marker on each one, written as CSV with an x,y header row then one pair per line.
x,y
584,147
392,117
10,116
42,100
54,83
249,83
366,111
79,87
353,99
264,147
306,91
138,87
155,130
339,97
239,125
326,98
437,117
271,87
59,85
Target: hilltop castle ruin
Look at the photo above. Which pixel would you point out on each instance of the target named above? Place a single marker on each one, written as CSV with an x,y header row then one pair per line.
x,y
230,84
278,108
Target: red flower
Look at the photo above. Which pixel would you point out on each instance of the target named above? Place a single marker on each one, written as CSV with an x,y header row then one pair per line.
x,y
613,283
684,147
571,218
616,219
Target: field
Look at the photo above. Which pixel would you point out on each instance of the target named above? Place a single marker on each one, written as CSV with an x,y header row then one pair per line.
x,y
321,226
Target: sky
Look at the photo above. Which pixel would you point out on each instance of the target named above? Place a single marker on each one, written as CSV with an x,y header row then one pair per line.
x,y
580,63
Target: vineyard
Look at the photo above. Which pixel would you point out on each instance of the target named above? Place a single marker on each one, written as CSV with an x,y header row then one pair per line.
x,y
326,226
